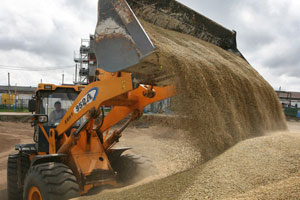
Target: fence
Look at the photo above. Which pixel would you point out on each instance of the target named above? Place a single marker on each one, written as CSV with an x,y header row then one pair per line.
x,y
17,105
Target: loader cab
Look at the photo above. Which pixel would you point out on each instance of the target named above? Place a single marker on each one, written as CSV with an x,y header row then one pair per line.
x,y
53,101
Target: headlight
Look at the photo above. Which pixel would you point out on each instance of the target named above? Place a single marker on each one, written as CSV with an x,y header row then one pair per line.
x,y
48,87
42,119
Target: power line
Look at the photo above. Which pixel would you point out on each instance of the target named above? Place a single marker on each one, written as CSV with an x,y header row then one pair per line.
x,y
22,68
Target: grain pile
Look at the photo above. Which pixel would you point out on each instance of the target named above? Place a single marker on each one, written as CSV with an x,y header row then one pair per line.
x,y
260,168
253,167
222,98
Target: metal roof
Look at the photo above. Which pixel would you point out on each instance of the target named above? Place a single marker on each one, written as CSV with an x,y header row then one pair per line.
x,y
20,89
288,95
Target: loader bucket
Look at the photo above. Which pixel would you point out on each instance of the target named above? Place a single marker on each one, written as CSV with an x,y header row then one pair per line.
x,y
121,41
121,44
172,15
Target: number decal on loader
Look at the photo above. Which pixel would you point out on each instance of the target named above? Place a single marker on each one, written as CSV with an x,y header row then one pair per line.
x,y
88,98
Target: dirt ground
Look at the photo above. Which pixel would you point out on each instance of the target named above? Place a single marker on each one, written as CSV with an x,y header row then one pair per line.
x,y
260,168
11,133
168,149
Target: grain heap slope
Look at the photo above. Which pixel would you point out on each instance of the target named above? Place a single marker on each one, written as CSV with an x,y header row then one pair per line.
x,y
221,98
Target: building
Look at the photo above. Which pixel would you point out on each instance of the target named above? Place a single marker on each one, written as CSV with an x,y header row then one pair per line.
x,y
289,99
15,95
20,89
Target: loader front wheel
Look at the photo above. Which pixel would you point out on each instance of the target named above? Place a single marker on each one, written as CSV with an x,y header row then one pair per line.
x,y
34,193
50,181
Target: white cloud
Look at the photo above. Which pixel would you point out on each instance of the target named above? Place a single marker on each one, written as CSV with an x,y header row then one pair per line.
x,y
268,34
45,33
41,34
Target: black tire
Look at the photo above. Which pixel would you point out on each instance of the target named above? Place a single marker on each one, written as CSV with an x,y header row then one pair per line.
x,y
133,168
15,190
55,181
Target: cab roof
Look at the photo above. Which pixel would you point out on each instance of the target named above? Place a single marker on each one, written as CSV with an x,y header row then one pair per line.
x,y
52,87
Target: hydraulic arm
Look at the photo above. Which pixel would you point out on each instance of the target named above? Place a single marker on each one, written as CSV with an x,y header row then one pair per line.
x,y
88,146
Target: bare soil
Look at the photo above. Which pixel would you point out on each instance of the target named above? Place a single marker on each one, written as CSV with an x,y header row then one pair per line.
x,y
11,133
169,150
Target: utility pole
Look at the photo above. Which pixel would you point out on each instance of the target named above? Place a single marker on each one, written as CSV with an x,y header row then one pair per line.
x,y
15,104
63,78
8,91
76,73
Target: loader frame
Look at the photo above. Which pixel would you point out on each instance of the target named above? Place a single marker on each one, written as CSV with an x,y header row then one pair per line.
x,y
87,150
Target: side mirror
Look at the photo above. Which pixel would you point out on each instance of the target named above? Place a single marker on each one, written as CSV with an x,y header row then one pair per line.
x,y
31,105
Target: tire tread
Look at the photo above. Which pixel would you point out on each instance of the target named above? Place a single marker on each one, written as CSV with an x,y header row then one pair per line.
x,y
13,191
56,178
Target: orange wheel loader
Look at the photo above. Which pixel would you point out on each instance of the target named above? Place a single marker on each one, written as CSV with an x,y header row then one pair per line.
x,y
73,146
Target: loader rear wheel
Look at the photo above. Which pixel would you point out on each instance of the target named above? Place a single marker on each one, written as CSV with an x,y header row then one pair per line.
x,y
132,168
50,181
14,187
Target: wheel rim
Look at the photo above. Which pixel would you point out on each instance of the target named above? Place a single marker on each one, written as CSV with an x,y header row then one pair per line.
x,y
34,194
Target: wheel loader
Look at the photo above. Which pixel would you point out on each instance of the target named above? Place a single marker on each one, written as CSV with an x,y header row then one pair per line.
x,y
73,147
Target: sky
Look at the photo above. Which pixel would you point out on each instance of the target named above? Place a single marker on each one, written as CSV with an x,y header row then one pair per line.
x,y
38,38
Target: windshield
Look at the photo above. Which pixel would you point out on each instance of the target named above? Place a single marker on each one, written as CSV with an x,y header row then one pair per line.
x,y
56,103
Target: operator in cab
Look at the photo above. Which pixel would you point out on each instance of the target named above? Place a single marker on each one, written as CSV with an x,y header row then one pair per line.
x,y
57,114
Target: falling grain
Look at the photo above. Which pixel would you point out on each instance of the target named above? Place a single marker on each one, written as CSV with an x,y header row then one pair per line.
x,y
223,99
